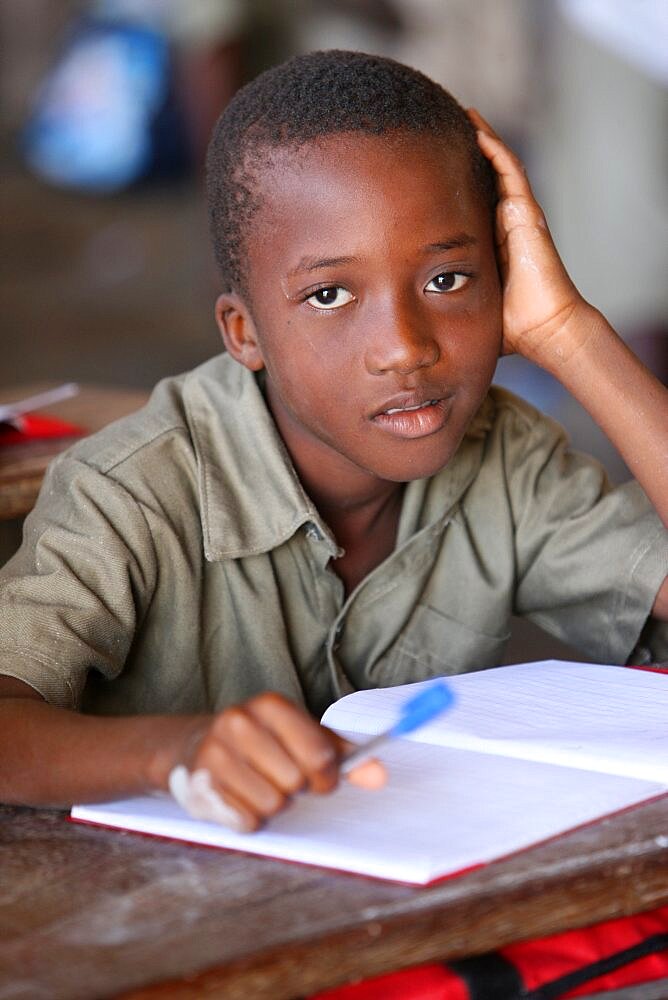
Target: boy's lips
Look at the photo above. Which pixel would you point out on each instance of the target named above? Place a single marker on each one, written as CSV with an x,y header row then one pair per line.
x,y
413,414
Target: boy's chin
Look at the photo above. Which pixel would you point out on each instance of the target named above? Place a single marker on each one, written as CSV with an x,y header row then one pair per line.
x,y
415,464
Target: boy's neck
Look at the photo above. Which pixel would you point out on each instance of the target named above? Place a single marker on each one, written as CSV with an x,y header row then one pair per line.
x,y
367,533
342,493
353,521
364,521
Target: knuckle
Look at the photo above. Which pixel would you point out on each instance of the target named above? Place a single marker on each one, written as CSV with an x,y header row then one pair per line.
x,y
267,701
211,753
516,211
234,722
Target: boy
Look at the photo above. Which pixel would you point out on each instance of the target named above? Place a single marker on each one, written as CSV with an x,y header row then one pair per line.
x,y
338,501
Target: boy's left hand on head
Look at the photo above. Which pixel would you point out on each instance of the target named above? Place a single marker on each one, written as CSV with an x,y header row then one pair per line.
x,y
539,299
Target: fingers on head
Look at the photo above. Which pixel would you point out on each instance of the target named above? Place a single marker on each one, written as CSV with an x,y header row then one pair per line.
x,y
479,122
520,211
510,170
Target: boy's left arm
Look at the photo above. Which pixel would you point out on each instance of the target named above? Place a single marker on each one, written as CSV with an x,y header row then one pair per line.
x,y
547,321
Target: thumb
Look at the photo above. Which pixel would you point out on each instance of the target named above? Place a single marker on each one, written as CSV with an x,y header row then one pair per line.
x,y
368,773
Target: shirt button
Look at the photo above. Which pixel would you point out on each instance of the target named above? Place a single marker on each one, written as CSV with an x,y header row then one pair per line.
x,y
337,636
313,532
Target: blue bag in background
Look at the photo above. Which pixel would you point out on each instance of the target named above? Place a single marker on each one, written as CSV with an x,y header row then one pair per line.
x,y
105,116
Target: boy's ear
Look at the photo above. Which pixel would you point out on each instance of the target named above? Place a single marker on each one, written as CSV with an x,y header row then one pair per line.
x,y
238,331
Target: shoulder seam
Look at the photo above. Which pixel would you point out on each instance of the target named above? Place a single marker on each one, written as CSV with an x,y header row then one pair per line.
x,y
108,467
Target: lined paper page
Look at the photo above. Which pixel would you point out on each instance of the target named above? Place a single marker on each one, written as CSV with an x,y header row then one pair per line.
x,y
442,811
608,719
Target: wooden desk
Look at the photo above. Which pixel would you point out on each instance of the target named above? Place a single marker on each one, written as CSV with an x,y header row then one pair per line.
x,y
22,466
88,912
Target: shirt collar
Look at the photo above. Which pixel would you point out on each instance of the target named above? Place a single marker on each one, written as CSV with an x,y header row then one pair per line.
x,y
250,495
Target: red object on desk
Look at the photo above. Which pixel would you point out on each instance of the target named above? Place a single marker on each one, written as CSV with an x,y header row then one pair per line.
x,y
36,427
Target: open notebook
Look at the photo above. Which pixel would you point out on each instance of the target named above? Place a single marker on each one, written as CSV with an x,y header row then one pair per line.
x,y
528,752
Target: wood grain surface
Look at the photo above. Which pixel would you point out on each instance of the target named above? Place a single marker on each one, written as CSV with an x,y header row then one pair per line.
x,y
89,912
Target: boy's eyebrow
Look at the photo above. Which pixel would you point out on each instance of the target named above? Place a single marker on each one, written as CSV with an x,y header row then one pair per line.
x,y
313,263
456,242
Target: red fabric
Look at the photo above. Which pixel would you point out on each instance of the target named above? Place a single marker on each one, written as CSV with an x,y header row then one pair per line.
x,y
34,426
549,958
538,963
426,982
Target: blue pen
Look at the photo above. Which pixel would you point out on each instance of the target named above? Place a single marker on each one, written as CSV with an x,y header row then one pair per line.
x,y
421,708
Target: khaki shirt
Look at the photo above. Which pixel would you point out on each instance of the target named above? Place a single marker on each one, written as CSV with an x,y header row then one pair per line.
x,y
174,563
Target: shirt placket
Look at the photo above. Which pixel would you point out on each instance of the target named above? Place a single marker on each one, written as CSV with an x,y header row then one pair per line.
x,y
407,568
331,599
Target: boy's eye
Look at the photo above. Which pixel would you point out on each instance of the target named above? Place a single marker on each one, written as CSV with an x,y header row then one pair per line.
x,y
331,297
448,281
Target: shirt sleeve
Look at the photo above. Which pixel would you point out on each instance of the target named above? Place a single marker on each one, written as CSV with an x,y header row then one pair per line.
x,y
73,594
589,558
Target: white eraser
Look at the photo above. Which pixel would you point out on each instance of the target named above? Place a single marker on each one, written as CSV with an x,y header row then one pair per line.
x,y
195,793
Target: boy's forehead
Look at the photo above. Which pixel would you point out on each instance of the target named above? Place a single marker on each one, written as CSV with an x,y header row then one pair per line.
x,y
345,171
357,149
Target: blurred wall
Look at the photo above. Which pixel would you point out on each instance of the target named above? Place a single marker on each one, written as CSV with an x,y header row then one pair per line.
x,y
601,152
121,288
599,156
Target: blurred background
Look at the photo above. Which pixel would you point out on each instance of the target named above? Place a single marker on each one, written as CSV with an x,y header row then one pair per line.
x,y
106,110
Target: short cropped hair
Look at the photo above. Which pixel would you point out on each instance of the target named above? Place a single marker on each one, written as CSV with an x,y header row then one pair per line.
x,y
310,96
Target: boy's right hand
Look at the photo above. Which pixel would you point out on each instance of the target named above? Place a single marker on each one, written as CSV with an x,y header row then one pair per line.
x,y
257,756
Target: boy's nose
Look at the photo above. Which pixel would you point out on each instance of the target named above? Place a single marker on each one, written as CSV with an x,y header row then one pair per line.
x,y
400,343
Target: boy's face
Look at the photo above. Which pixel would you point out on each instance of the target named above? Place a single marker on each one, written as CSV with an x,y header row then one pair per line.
x,y
375,301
